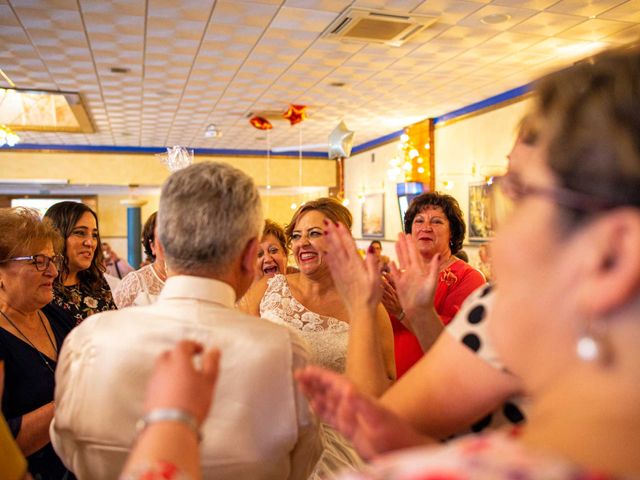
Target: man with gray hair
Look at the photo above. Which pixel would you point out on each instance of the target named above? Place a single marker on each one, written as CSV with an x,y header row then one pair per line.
x,y
260,427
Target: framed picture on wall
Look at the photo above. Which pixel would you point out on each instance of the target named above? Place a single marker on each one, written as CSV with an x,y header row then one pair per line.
x,y
481,222
373,216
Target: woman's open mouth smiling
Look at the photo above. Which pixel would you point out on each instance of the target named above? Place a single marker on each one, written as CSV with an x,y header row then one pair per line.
x,y
270,270
307,256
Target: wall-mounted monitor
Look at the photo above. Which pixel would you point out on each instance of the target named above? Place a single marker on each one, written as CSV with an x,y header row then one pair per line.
x,y
406,193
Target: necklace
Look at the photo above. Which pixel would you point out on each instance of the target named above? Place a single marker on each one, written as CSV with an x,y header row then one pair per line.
x,y
44,359
448,263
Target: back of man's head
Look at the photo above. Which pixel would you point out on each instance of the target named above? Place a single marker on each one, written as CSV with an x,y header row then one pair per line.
x,y
208,213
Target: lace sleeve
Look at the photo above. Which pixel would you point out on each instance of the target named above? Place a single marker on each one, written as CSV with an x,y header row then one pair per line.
x,y
127,291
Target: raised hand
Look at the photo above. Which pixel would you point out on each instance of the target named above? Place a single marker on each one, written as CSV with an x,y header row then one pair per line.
x,y
415,280
371,428
390,299
357,281
177,383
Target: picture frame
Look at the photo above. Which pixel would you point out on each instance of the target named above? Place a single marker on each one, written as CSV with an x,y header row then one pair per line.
x,y
373,216
481,221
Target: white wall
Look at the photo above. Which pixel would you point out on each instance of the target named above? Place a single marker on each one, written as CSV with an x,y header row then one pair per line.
x,y
472,149
466,151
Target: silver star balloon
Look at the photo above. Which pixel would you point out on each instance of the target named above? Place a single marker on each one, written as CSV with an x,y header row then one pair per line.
x,y
340,141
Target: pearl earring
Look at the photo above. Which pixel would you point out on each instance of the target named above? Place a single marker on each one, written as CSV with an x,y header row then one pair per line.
x,y
587,348
593,346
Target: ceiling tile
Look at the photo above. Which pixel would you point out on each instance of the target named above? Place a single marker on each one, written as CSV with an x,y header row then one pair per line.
x,y
589,8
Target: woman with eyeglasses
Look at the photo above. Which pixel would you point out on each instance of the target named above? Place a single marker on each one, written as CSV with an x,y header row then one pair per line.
x,y
309,303
32,330
80,289
566,315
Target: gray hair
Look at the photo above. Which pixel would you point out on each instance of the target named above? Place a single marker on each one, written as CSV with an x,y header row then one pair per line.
x,y
208,212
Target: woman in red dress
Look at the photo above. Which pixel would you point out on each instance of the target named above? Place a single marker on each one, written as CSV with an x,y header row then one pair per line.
x,y
435,223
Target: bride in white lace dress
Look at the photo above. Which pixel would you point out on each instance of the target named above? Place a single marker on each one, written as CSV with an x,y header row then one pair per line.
x,y
308,302
142,287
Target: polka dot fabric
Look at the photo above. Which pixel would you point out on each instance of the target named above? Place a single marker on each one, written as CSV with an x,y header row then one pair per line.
x,y
470,328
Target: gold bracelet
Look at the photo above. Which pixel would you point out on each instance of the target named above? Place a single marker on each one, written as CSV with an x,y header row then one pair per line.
x,y
169,415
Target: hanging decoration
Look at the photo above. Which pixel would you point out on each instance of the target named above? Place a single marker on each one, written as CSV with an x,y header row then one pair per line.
x,y
295,113
295,205
261,123
8,137
177,158
340,141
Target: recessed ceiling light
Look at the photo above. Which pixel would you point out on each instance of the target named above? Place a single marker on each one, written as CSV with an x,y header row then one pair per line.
x,y
212,131
120,70
495,18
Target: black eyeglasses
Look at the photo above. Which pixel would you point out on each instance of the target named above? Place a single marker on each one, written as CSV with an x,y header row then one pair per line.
x,y
509,189
40,261
515,189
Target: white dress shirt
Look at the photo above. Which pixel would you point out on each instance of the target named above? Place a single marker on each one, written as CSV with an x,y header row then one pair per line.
x,y
260,426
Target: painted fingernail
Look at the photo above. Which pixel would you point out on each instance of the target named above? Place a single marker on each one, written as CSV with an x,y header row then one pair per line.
x,y
370,249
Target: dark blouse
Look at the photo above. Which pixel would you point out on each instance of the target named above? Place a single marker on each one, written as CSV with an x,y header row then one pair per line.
x,y
79,301
29,384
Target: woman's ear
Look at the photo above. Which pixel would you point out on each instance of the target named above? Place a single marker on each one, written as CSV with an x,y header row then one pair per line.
x,y
611,273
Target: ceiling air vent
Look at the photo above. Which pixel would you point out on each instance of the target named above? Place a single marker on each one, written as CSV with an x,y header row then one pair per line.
x,y
378,26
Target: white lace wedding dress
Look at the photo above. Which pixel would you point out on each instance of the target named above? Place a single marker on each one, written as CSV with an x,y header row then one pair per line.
x,y
140,287
327,338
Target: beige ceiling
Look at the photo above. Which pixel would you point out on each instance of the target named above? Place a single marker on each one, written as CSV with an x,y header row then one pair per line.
x,y
196,62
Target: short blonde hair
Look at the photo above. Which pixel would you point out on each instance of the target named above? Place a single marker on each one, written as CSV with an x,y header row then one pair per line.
x,y
273,228
330,207
24,232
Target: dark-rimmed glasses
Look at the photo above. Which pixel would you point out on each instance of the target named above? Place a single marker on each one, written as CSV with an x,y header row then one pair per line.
x,y
40,261
507,190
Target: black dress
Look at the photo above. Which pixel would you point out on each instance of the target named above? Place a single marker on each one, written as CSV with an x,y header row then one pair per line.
x,y
29,384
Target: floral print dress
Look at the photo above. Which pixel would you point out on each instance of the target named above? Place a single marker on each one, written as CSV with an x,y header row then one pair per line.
x,y
79,301
494,456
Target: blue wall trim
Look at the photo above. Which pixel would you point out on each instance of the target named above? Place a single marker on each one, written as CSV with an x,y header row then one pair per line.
x,y
486,103
377,141
474,107
196,151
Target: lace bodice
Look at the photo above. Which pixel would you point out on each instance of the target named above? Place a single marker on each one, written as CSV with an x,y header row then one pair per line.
x,y
140,287
327,337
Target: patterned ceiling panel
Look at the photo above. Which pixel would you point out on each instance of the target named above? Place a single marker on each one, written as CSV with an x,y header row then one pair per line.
x,y
191,63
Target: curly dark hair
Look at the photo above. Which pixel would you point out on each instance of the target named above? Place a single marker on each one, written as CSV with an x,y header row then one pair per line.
x,y
273,228
330,207
451,209
149,235
64,216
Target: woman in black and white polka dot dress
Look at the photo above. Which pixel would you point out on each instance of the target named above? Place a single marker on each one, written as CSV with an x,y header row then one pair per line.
x,y
470,328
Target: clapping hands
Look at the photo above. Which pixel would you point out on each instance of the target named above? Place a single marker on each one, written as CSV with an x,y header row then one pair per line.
x,y
415,280
364,421
357,281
